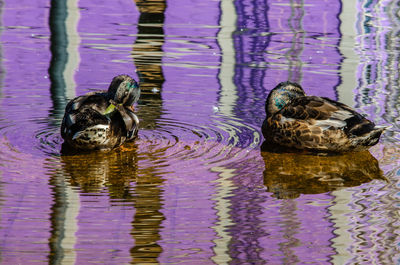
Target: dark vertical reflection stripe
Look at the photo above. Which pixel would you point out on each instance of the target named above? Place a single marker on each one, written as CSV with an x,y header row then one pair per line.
x,y
57,219
250,47
147,54
252,18
147,50
148,218
59,55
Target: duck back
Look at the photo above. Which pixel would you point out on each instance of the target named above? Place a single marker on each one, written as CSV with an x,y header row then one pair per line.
x,y
321,124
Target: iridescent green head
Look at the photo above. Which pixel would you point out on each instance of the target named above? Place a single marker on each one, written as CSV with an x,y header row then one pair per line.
x,y
124,90
281,95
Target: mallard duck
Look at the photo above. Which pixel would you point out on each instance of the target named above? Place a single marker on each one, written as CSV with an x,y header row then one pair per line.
x,y
315,123
102,120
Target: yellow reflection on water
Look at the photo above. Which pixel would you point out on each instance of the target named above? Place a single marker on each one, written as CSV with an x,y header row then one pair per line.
x,y
91,171
287,175
117,173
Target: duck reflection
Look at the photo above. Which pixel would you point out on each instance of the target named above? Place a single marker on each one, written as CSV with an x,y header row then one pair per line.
x,y
95,170
118,172
287,175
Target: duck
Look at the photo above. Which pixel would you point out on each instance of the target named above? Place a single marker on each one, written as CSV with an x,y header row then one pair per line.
x,y
297,121
102,120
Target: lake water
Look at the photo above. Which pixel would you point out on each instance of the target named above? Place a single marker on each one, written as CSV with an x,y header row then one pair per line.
x,y
195,188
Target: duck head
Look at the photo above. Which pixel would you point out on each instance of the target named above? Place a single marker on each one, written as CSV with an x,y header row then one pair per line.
x,y
124,90
281,95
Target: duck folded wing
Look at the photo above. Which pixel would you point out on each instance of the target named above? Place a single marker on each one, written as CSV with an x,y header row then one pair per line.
x,y
85,118
94,100
85,110
325,114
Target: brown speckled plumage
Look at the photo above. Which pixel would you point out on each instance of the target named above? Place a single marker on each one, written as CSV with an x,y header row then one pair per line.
x,y
314,123
87,126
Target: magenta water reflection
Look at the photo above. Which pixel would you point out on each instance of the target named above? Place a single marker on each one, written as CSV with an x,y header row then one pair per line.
x,y
194,188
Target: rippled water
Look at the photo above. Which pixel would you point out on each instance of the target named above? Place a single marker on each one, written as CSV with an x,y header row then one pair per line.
x,y
196,187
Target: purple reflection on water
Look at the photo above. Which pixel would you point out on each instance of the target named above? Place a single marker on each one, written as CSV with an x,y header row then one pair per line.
x,y
280,42
25,88
208,207
103,231
107,33
25,193
286,232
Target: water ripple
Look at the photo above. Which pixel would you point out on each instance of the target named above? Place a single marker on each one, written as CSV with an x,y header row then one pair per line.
x,y
49,141
221,140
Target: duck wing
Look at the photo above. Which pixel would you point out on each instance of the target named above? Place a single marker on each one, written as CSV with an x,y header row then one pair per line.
x,y
326,114
84,111
94,100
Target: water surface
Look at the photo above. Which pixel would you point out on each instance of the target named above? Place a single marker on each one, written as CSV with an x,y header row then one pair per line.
x,y
195,187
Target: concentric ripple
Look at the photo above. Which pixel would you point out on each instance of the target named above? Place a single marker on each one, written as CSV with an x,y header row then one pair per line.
x,y
35,137
223,139
49,141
